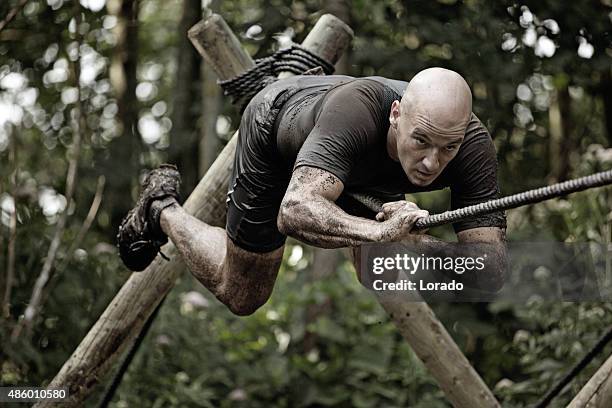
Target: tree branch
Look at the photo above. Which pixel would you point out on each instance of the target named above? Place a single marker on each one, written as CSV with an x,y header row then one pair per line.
x,y
91,215
10,263
12,13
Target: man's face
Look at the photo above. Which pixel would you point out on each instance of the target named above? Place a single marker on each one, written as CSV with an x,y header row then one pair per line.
x,y
425,149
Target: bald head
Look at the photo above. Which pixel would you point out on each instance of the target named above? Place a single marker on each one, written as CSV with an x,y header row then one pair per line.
x,y
428,126
439,96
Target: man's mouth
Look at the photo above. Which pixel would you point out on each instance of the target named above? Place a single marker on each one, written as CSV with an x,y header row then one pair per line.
x,y
423,175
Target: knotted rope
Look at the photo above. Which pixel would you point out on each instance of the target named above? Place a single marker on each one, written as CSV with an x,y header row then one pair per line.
x,y
294,59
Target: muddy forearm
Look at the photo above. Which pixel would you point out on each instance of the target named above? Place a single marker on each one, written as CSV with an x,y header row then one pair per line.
x,y
322,223
491,278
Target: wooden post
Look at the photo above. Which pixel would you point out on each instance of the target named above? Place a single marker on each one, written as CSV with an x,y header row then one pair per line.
x,y
124,317
597,392
430,341
216,42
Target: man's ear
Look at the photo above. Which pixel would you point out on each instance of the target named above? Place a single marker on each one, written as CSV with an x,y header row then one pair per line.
x,y
394,115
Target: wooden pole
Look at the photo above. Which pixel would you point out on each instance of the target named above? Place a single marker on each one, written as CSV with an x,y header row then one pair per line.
x,y
434,346
216,42
124,317
597,392
604,396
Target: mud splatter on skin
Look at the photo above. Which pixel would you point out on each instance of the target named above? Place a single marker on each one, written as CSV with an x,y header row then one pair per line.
x,y
309,213
241,280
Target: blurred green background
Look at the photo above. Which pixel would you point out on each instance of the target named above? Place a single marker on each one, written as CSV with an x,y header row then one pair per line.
x,y
93,93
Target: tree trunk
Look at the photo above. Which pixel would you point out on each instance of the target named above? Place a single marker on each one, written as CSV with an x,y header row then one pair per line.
x,y
562,139
183,138
210,144
567,141
121,165
606,91
324,264
3,279
10,257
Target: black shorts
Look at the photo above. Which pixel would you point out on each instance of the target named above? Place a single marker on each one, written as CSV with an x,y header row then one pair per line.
x,y
260,177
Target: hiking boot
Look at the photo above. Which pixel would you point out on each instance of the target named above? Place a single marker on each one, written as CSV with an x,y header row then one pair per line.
x,y
140,236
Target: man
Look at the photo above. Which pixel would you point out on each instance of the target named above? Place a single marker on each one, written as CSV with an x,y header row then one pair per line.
x,y
302,142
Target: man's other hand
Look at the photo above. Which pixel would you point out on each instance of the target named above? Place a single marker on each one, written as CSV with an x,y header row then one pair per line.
x,y
398,219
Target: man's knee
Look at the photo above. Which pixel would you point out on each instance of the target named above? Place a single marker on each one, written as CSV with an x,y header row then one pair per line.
x,y
248,278
245,291
246,305
244,308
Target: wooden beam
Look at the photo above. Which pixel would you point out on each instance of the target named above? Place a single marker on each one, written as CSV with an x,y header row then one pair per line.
x,y
125,315
597,392
216,42
434,346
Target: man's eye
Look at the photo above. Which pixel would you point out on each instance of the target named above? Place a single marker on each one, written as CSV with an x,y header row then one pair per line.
x,y
451,148
419,141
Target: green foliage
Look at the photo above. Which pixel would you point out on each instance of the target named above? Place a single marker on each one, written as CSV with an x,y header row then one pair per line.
x,y
203,356
86,281
551,340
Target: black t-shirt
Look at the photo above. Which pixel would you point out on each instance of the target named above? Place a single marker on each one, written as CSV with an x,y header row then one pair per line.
x,y
340,124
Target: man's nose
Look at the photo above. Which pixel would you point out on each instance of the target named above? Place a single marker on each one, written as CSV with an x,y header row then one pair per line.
x,y
431,162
